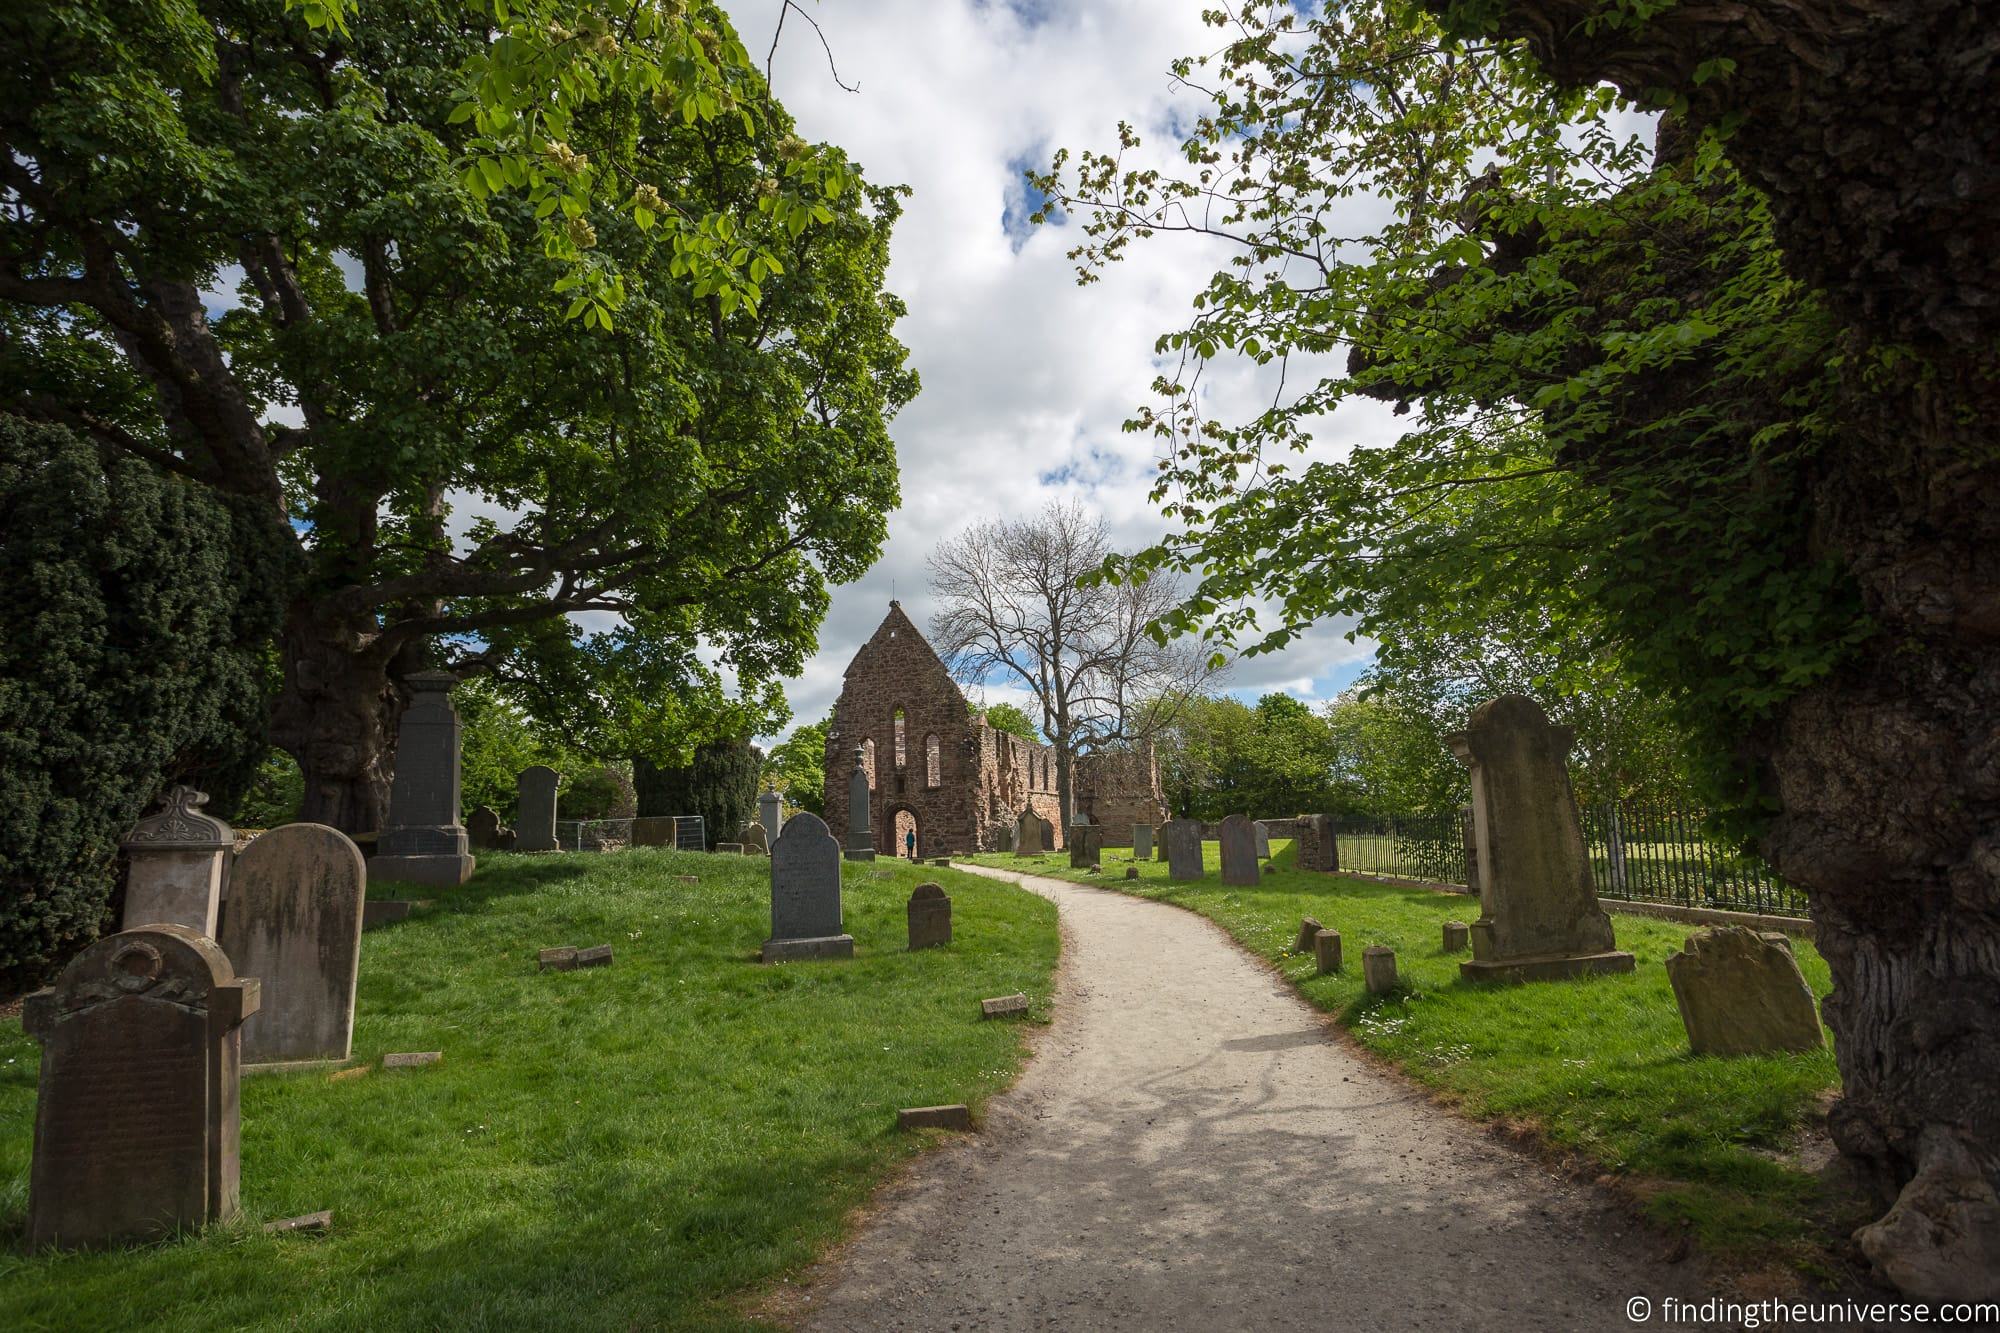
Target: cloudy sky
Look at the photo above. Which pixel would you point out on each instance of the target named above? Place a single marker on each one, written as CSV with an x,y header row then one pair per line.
x,y
1026,376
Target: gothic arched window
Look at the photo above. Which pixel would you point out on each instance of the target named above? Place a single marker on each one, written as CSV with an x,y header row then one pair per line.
x,y
933,762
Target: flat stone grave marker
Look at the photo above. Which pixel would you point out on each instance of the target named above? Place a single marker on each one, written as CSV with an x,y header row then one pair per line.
x,y
1239,850
1004,1006
1309,927
176,861
1740,992
568,958
312,1224
1183,844
955,1116
293,921
940,860
535,825
805,894
136,1120
1142,841
929,912
411,1059
1326,951
729,848
1378,969
1540,918
422,841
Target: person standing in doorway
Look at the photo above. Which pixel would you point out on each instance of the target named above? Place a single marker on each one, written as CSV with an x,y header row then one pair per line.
x,y
910,844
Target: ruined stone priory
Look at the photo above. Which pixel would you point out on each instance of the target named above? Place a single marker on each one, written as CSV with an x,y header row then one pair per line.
x,y
935,766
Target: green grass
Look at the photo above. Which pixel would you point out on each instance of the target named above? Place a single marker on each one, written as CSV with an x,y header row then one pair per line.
x,y
629,1147
1597,1068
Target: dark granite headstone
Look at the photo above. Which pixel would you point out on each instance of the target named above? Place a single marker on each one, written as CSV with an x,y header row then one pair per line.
x,y
424,843
1238,837
1086,846
293,921
1183,843
535,803
930,917
805,894
1142,842
136,1118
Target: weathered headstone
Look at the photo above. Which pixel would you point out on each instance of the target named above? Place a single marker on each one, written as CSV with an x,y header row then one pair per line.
x,y
930,916
805,894
1741,993
177,861
293,921
653,831
482,829
729,848
1086,846
1239,850
1465,821
1539,916
771,814
1308,928
1318,844
752,838
505,842
1326,951
535,820
1457,936
860,823
411,1059
1131,872
136,1118
385,911
1263,841
1183,844
1142,842
1004,1006
1378,969
423,841
1030,834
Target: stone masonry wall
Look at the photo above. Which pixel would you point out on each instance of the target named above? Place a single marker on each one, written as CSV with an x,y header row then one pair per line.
x,y
1120,789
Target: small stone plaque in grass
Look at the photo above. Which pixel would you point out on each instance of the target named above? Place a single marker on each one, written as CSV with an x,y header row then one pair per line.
x,y
559,959
312,1224
411,1059
598,955
1004,1006
687,879
956,1116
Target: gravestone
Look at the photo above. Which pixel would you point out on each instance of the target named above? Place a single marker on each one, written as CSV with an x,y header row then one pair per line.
x,y
1318,848
729,848
177,861
1142,842
1326,951
1539,916
1309,929
930,917
1741,993
1183,844
751,836
1004,1006
293,921
1006,838
1030,834
423,841
1086,846
1457,935
955,1116
1471,848
1239,850
535,820
805,894
1263,841
860,824
771,814
1378,969
653,831
136,1119
482,829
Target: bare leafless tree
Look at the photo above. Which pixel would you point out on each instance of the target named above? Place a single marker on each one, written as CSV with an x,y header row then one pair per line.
x,y
1014,607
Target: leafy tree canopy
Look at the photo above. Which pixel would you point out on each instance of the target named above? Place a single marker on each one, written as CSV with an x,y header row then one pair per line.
x,y
1008,718
796,767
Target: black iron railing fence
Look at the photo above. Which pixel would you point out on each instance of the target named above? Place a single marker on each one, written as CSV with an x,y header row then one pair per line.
x,y
1640,850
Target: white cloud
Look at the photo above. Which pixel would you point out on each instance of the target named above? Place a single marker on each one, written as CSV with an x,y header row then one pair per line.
x,y
1027,377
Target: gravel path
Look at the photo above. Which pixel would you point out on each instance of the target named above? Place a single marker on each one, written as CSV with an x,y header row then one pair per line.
x,y
1192,1149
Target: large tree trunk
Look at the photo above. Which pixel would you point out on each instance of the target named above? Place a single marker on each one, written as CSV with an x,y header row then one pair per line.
x,y
1874,130
336,715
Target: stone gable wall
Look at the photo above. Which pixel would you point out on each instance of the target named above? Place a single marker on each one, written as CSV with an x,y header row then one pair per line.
x,y
1120,789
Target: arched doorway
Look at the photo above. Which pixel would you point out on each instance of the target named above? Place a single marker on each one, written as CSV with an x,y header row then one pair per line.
x,y
902,822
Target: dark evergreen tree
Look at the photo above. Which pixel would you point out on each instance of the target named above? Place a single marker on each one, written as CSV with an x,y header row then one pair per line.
x,y
719,784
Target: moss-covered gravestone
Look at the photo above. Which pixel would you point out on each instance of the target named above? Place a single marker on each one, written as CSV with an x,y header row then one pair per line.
x,y
1741,993
136,1115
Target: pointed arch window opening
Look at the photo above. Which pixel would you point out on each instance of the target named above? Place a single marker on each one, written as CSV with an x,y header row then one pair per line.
x,y
900,725
933,762
868,761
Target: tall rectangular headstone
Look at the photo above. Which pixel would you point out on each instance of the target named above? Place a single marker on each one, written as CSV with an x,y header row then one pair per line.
x,y
176,864
1183,843
424,842
1539,915
860,824
805,894
535,801
1142,842
293,921
136,1119
771,814
1238,837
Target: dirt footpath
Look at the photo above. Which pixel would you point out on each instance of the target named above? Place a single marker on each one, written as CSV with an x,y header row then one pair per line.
x,y
1192,1149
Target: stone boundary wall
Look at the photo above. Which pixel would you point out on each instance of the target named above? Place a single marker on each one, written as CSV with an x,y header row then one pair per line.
x,y
1693,916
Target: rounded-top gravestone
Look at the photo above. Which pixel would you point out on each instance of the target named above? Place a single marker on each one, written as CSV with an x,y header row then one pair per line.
x,y
293,921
